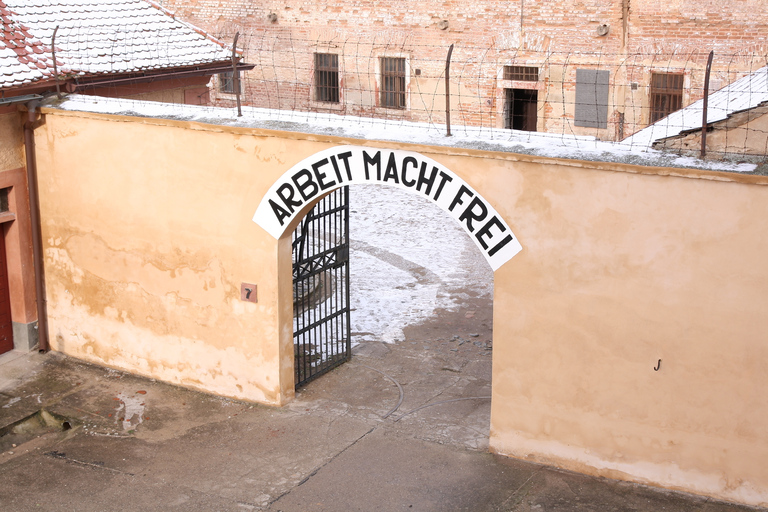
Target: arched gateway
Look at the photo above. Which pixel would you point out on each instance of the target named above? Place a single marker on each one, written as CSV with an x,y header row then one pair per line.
x,y
321,301
313,177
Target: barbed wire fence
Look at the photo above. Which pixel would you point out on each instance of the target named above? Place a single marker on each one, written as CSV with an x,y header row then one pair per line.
x,y
503,93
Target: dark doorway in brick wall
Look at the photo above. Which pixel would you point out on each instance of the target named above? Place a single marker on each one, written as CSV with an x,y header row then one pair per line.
x,y
520,106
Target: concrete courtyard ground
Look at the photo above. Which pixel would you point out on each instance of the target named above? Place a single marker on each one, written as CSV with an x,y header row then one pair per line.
x,y
136,444
403,426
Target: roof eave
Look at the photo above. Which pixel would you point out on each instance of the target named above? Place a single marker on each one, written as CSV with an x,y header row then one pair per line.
x,y
136,78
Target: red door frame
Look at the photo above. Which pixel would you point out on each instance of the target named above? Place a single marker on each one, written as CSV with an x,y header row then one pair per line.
x,y
6,324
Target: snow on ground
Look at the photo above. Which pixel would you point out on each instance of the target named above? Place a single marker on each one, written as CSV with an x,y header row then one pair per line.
x,y
408,259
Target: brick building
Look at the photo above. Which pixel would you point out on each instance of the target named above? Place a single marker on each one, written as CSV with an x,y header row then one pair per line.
x,y
604,68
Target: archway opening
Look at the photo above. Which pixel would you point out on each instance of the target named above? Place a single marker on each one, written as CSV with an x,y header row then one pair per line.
x,y
313,179
421,318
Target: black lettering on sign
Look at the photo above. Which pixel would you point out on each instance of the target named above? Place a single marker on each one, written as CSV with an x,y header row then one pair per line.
x,y
391,171
408,160
444,178
485,231
370,160
423,180
471,214
457,200
286,193
321,175
341,166
499,245
279,212
307,184
336,168
345,157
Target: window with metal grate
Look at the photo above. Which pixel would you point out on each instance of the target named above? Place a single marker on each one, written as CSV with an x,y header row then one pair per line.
x,y
521,73
327,77
666,94
393,82
227,82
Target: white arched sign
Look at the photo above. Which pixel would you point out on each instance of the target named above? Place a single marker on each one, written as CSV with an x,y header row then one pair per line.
x,y
347,165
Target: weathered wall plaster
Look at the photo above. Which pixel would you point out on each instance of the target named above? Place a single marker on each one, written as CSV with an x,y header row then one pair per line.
x,y
618,272
146,243
148,235
12,147
644,36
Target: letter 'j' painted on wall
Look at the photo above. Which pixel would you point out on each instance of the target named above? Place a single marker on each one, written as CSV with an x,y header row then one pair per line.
x,y
336,167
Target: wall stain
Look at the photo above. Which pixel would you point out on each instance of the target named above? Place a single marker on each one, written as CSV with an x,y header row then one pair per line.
x,y
159,292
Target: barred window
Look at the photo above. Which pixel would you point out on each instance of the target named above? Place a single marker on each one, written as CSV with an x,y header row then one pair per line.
x,y
393,82
521,73
227,82
327,77
666,94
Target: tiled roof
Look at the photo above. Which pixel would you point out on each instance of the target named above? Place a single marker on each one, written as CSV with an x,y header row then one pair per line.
x,y
97,37
23,58
742,94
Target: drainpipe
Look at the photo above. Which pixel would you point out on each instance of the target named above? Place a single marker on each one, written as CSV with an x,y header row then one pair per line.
x,y
34,212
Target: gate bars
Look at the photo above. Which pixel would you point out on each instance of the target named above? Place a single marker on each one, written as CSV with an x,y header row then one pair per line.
x,y
321,323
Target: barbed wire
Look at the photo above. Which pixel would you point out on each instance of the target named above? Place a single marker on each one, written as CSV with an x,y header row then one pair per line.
x,y
503,91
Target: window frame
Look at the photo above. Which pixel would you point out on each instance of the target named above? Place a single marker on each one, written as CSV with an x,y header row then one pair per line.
x,y
227,77
401,84
663,100
324,81
518,73
517,110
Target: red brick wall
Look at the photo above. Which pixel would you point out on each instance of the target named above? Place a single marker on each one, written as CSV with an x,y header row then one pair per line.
x,y
558,37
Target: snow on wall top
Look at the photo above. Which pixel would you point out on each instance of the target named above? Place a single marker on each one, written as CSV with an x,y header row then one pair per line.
x,y
742,94
551,145
96,37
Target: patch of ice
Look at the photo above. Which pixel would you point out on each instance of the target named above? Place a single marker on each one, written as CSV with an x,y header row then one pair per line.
x,y
131,410
11,402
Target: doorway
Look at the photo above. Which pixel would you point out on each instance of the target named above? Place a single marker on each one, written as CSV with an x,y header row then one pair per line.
x,y
520,109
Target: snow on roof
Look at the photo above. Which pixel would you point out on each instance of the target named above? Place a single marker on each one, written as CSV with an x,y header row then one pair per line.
x,y
553,145
743,94
23,58
97,37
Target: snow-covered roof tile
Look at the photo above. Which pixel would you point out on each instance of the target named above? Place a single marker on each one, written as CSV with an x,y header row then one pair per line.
x,y
97,37
742,94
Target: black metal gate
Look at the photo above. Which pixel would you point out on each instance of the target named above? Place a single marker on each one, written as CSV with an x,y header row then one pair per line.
x,y
321,328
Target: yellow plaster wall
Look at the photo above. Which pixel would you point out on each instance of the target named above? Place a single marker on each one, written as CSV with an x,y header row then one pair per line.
x,y
148,235
618,271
